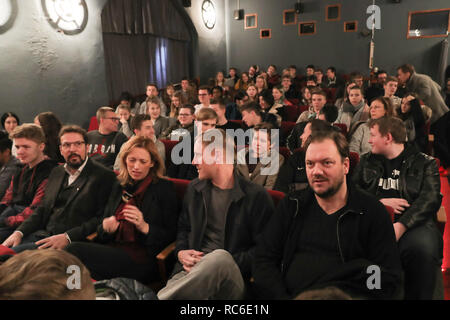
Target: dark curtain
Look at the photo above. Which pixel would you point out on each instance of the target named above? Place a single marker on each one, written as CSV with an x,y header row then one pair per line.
x,y
144,41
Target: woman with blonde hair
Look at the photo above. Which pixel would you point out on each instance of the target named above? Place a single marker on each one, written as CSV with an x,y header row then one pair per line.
x,y
178,100
260,83
139,219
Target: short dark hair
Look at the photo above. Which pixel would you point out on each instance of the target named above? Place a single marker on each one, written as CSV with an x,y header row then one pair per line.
x,y
7,115
218,101
5,143
125,96
208,88
390,79
240,95
338,138
251,106
267,126
310,66
330,111
407,68
188,106
311,78
332,69
318,91
218,88
392,125
152,85
136,122
72,128
267,96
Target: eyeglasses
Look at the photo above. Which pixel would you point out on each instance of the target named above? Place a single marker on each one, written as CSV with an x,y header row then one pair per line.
x,y
202,94
184,114
113,119
76,144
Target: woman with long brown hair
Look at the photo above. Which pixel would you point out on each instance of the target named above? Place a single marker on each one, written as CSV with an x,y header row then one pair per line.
x,y
139,219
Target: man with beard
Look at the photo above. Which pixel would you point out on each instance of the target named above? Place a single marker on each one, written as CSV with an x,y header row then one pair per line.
x,y
73,204
329,235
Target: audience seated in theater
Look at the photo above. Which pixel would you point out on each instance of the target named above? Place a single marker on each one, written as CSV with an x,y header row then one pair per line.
x,y
219,80
359,134
318,100
126,117
205,119
234,109
345,98
104,144
232,78
261,161
300,249
51,125
216,263
184,126
160,122
139,219
253,72
311,81
296,79
411,113
273,78
294,140
261,83
220,93
126,98
204,96
403,178
8,163
356,109
189,93
292,175
143,127
218,105
178,100
319,78
332,81
390,88
26,189
75,196
243,82
426,90
45,275
268,105
376,89
289,90
152,91
278,96
358,78
252,92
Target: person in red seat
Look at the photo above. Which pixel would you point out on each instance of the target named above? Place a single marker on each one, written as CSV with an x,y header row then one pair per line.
x,y
139,218
318,100
331,234
273,78
75,196
152,91
218,105
27,186
402,177
222,216
45,275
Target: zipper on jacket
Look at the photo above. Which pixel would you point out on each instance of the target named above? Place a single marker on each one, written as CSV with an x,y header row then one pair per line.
x,y
295,215
337,234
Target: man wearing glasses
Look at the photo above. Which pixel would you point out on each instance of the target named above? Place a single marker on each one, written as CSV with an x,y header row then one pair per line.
x,y
104,144
204,96
74,199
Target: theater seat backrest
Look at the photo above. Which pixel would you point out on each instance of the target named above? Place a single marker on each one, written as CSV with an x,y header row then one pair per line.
x,y
168,144
277,196
93,124
180,188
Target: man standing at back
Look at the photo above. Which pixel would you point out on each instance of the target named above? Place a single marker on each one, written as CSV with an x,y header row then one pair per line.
x,y
75,197
104,144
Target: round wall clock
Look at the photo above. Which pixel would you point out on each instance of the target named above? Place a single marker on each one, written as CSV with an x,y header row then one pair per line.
x,y
68,16
208,14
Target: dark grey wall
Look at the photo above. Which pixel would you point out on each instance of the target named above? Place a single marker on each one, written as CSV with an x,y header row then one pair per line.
x,y
43,70
330,46
211,43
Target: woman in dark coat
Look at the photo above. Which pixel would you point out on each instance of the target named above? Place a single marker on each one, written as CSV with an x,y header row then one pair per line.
x,y
140,218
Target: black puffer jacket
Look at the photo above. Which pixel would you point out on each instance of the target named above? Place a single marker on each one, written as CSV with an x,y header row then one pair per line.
x,y
419,184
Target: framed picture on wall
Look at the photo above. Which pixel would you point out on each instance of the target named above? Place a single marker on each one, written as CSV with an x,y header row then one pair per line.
x,y
265,33
307,28
333,12
251,21
350,26
428,24
289,17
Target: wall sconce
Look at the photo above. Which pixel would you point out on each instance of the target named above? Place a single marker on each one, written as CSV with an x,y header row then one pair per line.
x,y
8,12
208,14
66,16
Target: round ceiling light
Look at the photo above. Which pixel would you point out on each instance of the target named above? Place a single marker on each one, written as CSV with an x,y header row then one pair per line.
x,y
68,16
208,14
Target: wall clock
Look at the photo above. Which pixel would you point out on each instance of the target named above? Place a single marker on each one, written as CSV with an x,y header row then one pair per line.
x,y
68,16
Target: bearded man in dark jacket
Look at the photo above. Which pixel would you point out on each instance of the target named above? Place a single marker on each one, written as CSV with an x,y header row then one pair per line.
x,y
408,181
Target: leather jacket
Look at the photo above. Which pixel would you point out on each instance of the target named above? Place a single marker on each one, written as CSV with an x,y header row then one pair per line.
x,y
419,184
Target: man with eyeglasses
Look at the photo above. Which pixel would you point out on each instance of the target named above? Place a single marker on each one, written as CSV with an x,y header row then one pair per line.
x,y
104,144
26,187
204,96
75,196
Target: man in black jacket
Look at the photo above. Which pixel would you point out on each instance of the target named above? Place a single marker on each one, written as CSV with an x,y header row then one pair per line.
x,y
329,235
222,216
74,199
408,181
